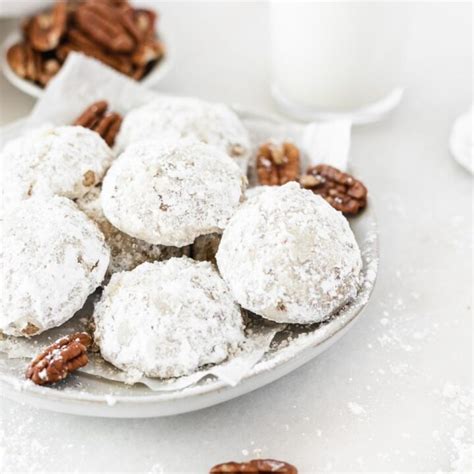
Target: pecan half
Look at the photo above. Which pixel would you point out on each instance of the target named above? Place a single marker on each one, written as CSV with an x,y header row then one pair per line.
x,y
255,466
341,190
278,164
45,30
60,359
26,62
16,57
108,127
92,114
102,23
96,117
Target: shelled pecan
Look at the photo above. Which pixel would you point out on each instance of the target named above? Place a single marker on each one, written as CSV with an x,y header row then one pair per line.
x,y
97,118
278,164
17,58
91,115
255,466
111,31
341,190
45,30
101,22
60,359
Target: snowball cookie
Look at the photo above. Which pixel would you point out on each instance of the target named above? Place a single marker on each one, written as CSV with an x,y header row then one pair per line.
x,y
289,256
125,252
184,117
170,194
167,319
66,161
52,257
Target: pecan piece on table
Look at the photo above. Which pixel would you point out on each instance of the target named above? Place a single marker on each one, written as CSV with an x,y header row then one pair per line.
x,y
341,190
96,117
255,466
277,164
60,359
44,31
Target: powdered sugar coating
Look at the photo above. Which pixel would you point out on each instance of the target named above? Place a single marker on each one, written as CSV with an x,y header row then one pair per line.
x,y
126,252
52,256
65,161
167,319
171,193
188,118
289,256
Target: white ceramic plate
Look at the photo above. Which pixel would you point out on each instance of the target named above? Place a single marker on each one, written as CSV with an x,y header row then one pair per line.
x,y
28,87
84,394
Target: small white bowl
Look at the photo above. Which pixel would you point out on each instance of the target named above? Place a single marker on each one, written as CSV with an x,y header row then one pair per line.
x,y
30,88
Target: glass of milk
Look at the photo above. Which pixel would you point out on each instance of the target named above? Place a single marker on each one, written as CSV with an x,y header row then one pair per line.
x,y
336,58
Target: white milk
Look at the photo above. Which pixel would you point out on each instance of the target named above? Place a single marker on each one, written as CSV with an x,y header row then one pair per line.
x,y
336,55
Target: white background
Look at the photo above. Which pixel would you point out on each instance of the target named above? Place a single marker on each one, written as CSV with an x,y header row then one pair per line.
x,y
396,393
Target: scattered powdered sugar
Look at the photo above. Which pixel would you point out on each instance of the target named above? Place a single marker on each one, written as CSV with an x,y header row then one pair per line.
x,y
458,405
110,400
289,256
171,193
156,469
126,252
356,409
52,258
188,118
66,161
184,317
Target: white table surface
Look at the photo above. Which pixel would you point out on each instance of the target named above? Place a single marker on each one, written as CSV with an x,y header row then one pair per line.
x,y
396,393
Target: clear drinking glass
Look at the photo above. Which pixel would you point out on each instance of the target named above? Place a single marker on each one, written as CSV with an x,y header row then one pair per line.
x,y
336,58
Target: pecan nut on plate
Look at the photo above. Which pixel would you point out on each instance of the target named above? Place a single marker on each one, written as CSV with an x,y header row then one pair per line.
x,y
97,118
341,190
255,466
60,359
111,31
277,164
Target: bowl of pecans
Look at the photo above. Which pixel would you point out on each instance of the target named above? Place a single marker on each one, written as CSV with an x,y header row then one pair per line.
x,y
111,31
